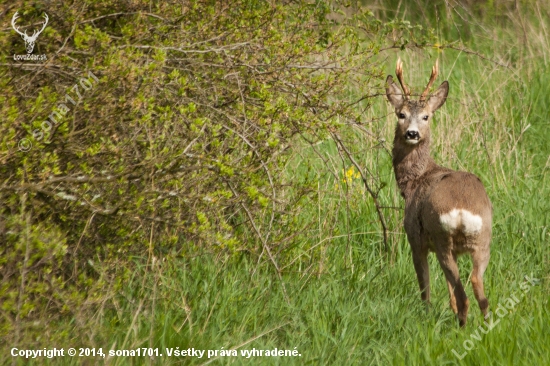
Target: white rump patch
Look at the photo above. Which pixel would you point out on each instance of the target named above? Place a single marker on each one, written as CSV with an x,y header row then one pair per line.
x,y
463,220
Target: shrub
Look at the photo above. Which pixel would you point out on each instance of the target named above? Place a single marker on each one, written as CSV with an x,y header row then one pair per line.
x,y
159,129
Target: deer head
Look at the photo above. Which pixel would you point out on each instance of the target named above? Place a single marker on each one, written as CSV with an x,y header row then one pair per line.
x,y
29,40
414,115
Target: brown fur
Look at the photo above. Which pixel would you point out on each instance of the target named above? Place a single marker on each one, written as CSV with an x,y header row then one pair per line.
x,y
431,191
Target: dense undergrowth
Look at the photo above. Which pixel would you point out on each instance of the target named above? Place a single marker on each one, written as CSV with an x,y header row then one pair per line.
x,y
244,186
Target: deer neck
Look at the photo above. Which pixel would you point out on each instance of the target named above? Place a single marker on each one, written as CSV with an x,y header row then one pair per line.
x,y
410,162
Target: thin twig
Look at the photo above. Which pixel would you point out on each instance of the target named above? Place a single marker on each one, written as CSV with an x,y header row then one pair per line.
x,y
373,194
262,239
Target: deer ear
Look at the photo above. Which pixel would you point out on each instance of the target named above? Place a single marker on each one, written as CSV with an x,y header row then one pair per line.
x,y
393,93
439,97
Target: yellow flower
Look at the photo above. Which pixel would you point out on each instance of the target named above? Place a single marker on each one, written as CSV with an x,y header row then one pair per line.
x,y
349,175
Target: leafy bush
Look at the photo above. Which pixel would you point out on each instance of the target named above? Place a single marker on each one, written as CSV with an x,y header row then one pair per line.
x,y
156,129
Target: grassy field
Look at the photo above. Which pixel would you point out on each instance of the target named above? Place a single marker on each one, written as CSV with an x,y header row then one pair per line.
x,y
345,300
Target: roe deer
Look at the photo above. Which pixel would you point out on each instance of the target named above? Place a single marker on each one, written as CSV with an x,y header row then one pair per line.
x,y
446,211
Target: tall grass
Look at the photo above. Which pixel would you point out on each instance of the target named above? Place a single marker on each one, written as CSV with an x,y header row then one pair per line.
x,y
345,300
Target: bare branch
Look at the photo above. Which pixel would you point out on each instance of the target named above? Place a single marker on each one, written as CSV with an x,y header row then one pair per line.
x,y
372,193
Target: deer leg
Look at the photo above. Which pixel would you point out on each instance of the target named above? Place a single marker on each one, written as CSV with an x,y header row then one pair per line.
x,y
448,263
420,260
480,262
452,298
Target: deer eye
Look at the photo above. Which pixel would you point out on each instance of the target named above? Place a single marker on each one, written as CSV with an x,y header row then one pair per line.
x,y
425,118
401,115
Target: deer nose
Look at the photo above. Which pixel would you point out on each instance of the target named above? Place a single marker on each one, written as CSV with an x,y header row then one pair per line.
x,y
412,135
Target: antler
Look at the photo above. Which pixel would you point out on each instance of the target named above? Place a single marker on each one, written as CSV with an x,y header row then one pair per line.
x,y
13,20
35,33
399,73
435,72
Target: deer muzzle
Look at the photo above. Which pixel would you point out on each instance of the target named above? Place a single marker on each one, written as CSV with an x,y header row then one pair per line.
x,y
412,137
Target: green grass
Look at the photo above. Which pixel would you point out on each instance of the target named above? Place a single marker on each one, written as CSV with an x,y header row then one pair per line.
x,y
344,300
371,315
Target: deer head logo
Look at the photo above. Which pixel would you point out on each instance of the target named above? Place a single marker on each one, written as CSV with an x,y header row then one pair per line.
x,y
29,40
